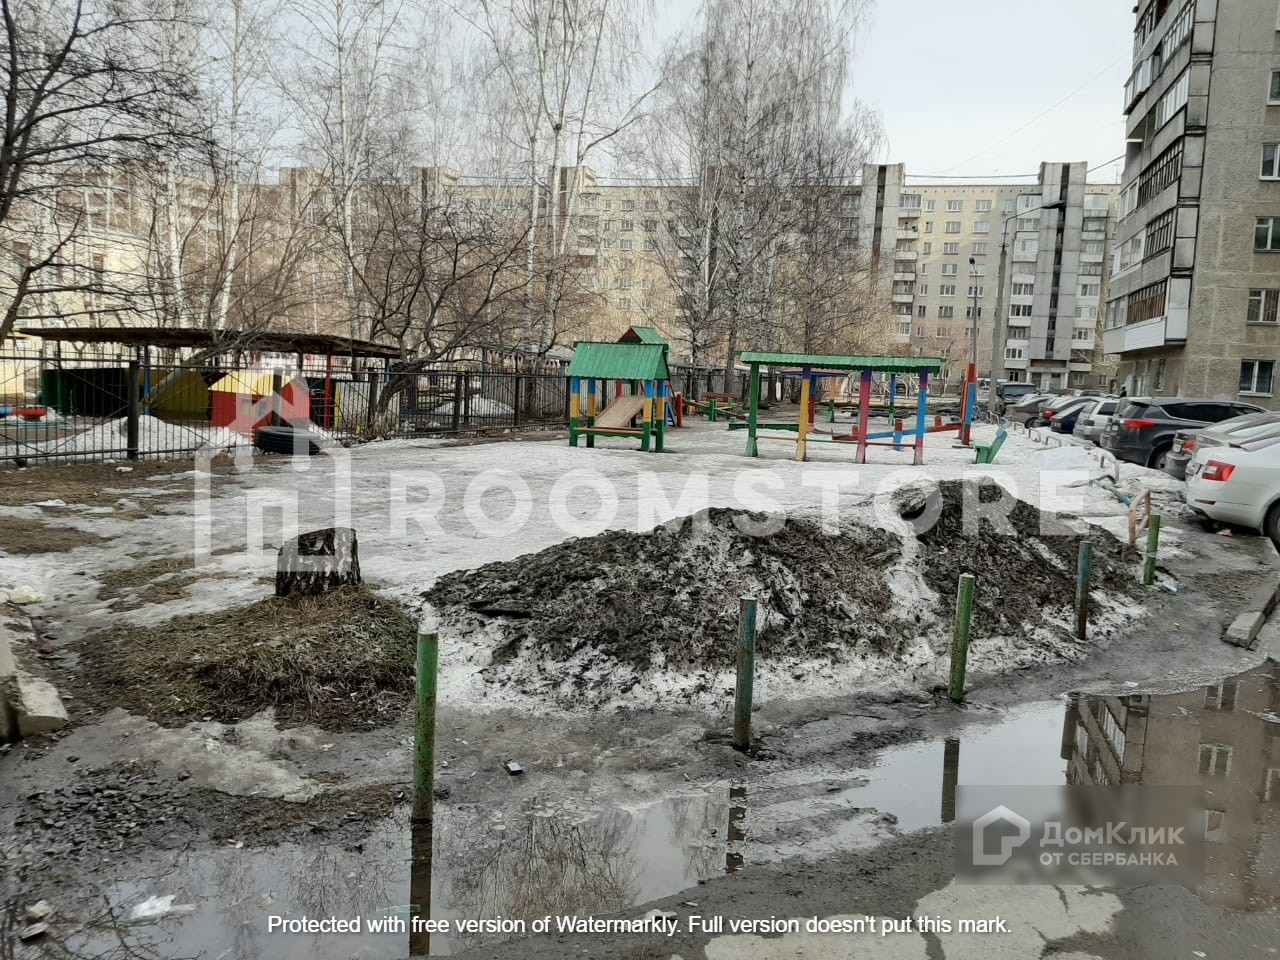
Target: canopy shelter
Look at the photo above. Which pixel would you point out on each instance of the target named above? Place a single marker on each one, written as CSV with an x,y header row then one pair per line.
x,y
643,335
811,367
642,388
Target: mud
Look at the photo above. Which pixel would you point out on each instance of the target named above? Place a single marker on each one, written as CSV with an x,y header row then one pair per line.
x,y
591,615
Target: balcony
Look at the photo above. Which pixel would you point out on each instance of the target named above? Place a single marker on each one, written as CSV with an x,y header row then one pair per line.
x,y
904,297
908,231
1145,335
904,277
1024,256
908,211
1022,364
905,255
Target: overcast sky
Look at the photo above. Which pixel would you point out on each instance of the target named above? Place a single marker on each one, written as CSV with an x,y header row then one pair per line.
x,y
996,86
990,86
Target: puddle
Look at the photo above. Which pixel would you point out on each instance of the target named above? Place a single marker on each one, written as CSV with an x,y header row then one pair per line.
x,y
546,861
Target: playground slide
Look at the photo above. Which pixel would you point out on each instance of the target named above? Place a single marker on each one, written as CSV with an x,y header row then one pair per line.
x,y
619,412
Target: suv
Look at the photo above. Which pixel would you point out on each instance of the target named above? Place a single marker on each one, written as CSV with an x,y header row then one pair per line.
x,y
1142,429
1013,392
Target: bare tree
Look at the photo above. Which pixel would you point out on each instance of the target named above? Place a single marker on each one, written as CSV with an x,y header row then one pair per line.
x,y
85,87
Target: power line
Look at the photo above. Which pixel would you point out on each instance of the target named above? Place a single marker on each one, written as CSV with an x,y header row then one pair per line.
x,y
1106,163
1040,115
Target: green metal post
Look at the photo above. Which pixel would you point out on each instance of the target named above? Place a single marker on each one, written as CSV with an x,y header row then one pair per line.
x,y
753,414
746,672
1083,566
424,744
960,644
1153,543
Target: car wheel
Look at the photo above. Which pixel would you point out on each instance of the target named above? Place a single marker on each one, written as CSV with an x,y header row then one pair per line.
x,y
1271,525
1159,457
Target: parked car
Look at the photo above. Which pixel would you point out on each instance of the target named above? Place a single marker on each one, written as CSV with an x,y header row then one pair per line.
x,y
1062,418
1093,419
1142,430
1251,426
1058,404
1238,483
1010,393
1028,408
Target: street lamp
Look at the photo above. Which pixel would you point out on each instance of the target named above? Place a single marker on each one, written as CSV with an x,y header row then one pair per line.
x,y
973,312
997,344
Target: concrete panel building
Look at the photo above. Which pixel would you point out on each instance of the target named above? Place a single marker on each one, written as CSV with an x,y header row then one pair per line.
x,y
951,235
1195,279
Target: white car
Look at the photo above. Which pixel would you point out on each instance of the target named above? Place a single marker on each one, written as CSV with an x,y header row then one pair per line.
x,y
1094,418
1238,482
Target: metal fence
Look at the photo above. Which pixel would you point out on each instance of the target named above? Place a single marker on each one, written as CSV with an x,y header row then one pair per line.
x,y
91,407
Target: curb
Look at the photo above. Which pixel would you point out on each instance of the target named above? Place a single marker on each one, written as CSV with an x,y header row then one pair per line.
x,y
1244,629
8,677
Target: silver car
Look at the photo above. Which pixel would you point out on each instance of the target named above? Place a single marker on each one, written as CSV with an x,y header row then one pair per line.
x,y
1091,421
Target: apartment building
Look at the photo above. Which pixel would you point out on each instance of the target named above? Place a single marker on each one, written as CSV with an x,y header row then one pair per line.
x,y
1195,280
946,275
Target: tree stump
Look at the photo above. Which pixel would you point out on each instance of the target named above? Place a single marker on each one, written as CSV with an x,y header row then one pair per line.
x,y
316,562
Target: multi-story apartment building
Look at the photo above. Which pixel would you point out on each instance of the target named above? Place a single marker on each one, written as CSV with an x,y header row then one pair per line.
x,y
1195,281
946,277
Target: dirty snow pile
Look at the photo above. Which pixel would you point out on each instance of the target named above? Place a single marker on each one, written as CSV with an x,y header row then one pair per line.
x,y
154,436
479,407
625,617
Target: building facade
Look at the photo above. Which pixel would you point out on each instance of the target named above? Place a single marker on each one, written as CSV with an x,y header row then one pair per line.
x,y
947,275
1195,279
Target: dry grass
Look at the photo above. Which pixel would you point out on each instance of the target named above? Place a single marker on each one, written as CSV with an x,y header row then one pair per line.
x,y
342,661
88,483
20,536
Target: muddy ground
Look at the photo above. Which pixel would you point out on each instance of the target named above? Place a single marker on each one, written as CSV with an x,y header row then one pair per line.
x,y
586,617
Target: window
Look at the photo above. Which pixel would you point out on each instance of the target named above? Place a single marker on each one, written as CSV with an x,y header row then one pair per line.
x,y
1023,289
1262,306
968,313
928,247
930,206
1019,333
1019,310
624,303
951,249
982,226
946,313
904,329
922,269
651,225
982,206
947,290
953,226
978,270
1221,696
1093,247
920,310
1089,290
627,244
955,206
1266,234
928,226
607,244
1162,172
628,224
1215,826
1006,208
922,289
628,204
1013,353
1215,759
949,269
650,243
651,204
1159,378
1273,92
1256,377
980,249
1270,162
920,330
977,291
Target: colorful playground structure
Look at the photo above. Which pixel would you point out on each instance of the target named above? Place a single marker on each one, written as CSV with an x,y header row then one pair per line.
x,y
813,368
641,391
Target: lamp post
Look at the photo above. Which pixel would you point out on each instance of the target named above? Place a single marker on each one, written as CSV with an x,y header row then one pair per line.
x,y
997,344
973,312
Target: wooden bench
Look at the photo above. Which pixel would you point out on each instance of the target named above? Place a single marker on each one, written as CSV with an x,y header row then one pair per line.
x,y
987,451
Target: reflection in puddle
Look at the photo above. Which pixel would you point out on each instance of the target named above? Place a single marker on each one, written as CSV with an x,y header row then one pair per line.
x,y
1226,737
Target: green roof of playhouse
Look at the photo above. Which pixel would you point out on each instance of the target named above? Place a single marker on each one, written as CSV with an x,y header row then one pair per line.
x,y
619,361
642,335
826,362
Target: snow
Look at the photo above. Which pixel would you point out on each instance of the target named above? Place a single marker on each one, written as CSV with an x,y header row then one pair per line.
x,y
479,407
423,509
154,436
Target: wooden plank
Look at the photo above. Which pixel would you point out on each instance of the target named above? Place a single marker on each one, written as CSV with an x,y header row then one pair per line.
x,y
620,412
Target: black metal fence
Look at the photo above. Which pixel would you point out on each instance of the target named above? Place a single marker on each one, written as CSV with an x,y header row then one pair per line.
x,y
91,407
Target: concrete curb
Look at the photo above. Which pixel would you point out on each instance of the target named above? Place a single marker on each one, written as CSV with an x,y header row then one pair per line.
x,y
8,674
1243,630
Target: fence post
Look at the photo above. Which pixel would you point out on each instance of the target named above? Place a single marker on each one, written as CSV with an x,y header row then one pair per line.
x,y
457,400
1084,564
746,672
516,398
1153,543
133,410
960,643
